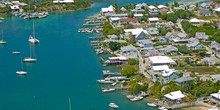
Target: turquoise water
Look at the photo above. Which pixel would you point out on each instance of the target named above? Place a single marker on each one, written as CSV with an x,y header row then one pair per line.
x,y
67,66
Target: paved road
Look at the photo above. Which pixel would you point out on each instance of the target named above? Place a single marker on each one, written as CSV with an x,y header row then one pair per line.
x,y
142,67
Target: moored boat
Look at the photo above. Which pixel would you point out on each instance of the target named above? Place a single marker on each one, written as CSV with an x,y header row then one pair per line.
x,y
16,52
2,41
151,105
108,89
32,38
21,72
136,98
162,108
130,96
113,105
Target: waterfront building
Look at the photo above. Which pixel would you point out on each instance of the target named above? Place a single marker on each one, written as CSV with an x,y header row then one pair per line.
x,y
130,52
63,1
116,60
112,15
161,60
175,97
109,9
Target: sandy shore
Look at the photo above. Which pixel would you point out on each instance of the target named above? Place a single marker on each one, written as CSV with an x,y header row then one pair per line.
x,y
195,108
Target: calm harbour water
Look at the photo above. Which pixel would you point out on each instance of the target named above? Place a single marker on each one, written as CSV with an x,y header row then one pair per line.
x,y
67,66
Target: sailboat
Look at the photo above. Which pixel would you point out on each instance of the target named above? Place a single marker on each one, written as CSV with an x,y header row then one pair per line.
x,y
2,41
21,72
30,59
32,38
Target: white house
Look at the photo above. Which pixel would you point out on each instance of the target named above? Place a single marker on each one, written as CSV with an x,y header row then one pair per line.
x,y
153,20
194,21
161,60
139,33
110,9
175,97
14,7
63,1
162,8
138,15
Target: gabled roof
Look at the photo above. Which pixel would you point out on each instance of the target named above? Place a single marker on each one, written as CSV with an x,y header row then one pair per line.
x,y
216,95
128,48
152,7
162,6
194,20
193,44
184,79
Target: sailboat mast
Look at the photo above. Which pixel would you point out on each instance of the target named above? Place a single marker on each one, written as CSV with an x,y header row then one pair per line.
x,y
2,35
30,51
21,65
69,104
33,30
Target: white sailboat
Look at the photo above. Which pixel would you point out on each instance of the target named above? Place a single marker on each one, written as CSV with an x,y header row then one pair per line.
x,y
2,41
21,72
32,38
30,59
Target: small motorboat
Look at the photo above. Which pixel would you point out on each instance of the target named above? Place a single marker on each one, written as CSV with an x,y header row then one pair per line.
x,y
136,98
151,105
130,96
162,108
16,52
113,105
108,89
105,81
21,72
29,59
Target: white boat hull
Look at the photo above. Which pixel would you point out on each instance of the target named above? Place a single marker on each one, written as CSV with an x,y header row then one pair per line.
x,y
2,42
33,40
30,60
113,105
16,52
108,90
21,72
136,99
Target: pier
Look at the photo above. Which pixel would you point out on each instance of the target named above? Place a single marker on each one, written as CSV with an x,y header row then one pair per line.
x,y
107,73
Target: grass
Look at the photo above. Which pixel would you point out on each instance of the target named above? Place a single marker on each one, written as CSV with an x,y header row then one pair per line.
x,y
204,70
208,17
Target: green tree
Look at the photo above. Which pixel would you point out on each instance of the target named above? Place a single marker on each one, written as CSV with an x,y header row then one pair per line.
x,y
114,46
128,71
133,62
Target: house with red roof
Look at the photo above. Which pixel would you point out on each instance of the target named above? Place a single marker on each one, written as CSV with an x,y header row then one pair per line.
x,y
129,20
